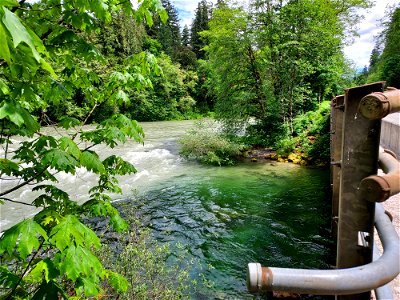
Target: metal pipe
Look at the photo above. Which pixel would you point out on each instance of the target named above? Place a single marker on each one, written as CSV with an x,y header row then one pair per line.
x,y
385,291
334,282
377,188
378,105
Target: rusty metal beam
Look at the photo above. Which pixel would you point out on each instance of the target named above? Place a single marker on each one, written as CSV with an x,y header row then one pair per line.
x,y
360,147
337,112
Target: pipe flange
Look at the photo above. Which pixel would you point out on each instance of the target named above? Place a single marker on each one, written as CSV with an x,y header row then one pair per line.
x,y
374,189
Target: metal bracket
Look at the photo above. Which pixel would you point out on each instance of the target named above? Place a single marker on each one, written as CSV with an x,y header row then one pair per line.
x,y
363,239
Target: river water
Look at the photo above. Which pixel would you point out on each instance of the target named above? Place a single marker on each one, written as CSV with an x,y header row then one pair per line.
x,y
273,213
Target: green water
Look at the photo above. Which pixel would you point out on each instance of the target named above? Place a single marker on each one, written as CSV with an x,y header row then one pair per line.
x,y
275,214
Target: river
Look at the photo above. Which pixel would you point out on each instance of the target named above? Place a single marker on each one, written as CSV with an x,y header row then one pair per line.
x,y
273,213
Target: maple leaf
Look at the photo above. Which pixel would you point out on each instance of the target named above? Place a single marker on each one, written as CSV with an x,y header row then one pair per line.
x,y
69,230
92,162
23,236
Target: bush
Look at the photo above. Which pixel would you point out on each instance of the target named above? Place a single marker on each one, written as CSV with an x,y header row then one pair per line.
x,y
311,138
209,147
267,131
143,262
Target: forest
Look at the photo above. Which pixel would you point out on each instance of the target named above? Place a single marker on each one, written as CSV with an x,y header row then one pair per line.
x,y
268,66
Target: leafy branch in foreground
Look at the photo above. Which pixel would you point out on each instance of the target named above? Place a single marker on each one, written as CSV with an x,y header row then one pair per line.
x,y
44,56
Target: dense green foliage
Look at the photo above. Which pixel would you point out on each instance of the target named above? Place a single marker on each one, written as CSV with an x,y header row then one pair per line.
x,y
385,63
210,146
140,259
273,60
309,144
46,57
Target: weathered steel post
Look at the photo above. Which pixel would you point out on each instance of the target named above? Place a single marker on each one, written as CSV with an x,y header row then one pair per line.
x,y
337,112
359,157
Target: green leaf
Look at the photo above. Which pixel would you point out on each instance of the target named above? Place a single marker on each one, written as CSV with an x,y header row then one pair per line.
x,y
70,147
9,3
53,194
44,269
117,282
80,262
7,279
8,167
18,115
3,86
69,122
121,97
49,291
91,161
4,50
19,32
71,231
118,223
46,66
11,111
23,236
116,165
60,160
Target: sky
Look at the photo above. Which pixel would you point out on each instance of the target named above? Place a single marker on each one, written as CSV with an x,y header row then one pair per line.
x,y
359,52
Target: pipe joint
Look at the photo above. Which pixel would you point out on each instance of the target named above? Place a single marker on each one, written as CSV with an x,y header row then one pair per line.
x,y
378,105
379,188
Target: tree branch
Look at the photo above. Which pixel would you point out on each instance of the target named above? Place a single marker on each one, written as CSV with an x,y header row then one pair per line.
x,y
14,201
23,183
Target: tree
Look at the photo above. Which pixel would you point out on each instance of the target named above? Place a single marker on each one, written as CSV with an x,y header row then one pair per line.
x,y
236,67
185,36
280,58
168,34
390,58
45,58
385,56
200,23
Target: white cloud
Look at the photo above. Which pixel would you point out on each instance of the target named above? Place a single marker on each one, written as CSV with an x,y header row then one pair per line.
x,y
370,27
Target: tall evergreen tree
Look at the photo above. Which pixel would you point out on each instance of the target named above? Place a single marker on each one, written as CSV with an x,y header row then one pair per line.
x,y
168,34
391,53
185,36
200,23
385,64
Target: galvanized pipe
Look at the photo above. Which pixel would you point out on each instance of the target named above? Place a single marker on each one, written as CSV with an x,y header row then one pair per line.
x,y
378,105
377,188
334,282
384,292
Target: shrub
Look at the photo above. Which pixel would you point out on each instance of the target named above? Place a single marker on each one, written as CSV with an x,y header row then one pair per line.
x,y
310,138
143,262
209,146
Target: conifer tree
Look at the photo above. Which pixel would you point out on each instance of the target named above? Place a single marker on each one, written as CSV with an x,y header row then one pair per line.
x,y
200,23
385,64
168,34
185,36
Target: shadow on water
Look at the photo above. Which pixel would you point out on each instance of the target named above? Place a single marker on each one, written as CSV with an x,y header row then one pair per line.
x,y
275,214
